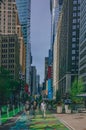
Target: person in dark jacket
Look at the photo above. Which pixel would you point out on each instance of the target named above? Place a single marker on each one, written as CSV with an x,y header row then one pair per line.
x,y
34,108
27,109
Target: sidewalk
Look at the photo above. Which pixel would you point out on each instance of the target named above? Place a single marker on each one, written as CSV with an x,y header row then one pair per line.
x,y
74,121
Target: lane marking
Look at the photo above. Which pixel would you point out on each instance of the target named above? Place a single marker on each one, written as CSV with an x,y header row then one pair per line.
x,y
65,123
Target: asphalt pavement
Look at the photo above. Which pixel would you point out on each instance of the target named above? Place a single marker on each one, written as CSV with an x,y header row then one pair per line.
x,y
52,121
20,122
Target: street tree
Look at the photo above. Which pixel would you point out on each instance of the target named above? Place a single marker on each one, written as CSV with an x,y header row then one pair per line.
x,y
77,88
4,84
58,96
8,86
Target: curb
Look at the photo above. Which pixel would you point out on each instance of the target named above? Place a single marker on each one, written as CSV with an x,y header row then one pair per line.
x,y
66,124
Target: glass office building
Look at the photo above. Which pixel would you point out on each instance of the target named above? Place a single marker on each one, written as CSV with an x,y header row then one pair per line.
x,y
24,12
55,8
82,43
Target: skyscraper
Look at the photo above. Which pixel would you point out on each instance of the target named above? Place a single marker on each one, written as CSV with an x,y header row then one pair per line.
x,y
82,44
68,45
55,8
12,49
33,80
24,10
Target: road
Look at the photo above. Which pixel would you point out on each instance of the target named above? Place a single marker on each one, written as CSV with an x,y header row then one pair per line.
x,y
20,122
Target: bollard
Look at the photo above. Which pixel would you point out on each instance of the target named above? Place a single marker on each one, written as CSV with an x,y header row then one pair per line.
x,y
21,106
13,110
18,107
8,111
0,118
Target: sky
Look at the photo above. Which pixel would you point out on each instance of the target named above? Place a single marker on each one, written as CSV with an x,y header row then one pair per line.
x,y
40,33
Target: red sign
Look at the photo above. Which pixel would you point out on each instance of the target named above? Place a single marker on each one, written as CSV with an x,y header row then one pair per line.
x,y
49,72
26,88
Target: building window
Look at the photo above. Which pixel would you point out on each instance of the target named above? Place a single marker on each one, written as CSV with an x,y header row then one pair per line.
x,y
78,7
74,8
73,63
78,13
73,39
73,45
74,27
74,20
74,33
73,52
73,69
74,14
73,57
78,20
75,2
78,26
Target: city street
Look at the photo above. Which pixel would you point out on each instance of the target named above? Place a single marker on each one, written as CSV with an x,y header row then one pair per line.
x,y
47,123
52,121
20,122
42,64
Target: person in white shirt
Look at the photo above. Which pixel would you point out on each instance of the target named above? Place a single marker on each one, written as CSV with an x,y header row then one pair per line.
x,y
43,109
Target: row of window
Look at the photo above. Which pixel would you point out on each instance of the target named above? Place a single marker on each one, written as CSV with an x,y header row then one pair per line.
x,y
10,56
76,8
8,45
84,79
82,71
5,66
74,62
74,2
76,20
6,61
75,57
8,39
83,54
82,46
82,63
6,50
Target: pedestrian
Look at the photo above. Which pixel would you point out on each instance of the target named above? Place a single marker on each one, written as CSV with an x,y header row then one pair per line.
x,y
34,108
43,109
27,109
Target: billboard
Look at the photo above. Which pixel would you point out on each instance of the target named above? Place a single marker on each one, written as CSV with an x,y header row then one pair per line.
x,y
50,93
49,72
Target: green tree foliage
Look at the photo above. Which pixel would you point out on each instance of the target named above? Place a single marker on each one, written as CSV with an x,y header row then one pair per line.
x,y
77,88
58,96
7,85
4,84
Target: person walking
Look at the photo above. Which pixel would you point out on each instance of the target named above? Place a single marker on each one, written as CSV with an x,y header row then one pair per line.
x,y
43,109
27,109
34,108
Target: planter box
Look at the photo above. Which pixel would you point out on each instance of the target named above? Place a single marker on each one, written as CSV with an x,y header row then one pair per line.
x,y
69,111
59,109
